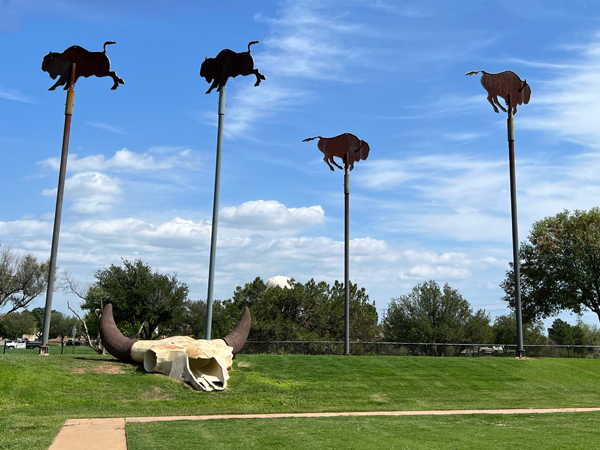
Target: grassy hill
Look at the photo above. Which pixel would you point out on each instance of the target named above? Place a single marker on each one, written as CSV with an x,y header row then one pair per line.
x,y
38,393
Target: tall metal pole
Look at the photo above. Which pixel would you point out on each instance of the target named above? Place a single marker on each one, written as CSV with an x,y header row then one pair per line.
x,y
515,230
58,211
215,216
347,259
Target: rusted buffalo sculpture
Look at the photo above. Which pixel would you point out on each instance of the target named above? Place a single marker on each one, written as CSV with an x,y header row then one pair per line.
x,y
229,64
500,85
87,64
345,146
201,363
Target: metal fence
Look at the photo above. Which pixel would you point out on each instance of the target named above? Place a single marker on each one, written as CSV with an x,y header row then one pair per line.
x,y
418,349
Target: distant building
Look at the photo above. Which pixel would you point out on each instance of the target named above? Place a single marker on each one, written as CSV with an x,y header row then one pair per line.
x,y
281,281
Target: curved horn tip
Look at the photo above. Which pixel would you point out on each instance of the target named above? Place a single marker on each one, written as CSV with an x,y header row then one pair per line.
x,y
113,340
237,338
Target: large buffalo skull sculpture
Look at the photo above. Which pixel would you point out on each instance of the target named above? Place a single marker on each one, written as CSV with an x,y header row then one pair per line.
x,y
204,364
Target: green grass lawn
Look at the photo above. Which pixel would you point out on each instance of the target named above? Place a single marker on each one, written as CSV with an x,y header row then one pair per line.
x,y
38,393
490,432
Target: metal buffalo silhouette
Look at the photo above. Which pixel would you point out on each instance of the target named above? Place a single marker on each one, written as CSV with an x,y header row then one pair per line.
x,y
503,84
229,64
345,146
87,64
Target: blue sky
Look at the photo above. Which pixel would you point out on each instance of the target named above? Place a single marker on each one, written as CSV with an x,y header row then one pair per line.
x,y
431,202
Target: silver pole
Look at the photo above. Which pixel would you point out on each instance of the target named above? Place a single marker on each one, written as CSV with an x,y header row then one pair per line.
x,y
58,212
515,230
347,261
215,216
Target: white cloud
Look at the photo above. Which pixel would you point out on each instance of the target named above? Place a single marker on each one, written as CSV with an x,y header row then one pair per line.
x,y
90,192
25,228
271,215
126,160
130,232
428,272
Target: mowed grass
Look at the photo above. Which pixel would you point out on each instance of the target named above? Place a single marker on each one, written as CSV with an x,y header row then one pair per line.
x,y
37,394
523,431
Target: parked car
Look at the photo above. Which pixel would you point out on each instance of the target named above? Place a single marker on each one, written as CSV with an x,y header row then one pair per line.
x,y
32,344
16,343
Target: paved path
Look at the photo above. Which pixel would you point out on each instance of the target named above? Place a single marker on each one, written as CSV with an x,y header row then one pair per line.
x,y
103,434
91,434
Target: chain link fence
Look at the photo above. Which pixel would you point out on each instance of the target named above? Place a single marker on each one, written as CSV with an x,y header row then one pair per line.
x,y
418,349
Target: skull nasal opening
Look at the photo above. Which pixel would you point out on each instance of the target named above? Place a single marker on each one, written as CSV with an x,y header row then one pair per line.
x,y
149,361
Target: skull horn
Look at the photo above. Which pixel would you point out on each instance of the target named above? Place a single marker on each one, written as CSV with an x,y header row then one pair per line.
x,y
112,339
237,338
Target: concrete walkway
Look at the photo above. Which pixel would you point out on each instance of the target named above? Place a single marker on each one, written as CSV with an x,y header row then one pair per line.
x,y
91,434
109,434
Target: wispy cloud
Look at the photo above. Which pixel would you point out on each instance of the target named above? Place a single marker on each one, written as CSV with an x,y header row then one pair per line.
x,y
106,127
307,41
9,18
568,105
126,160
15,95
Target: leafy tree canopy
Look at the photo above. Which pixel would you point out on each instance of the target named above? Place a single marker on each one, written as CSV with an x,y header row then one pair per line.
x,y
145,303
560,266
505,331
311,311
431,314
22,279
61,325
17,324
561,332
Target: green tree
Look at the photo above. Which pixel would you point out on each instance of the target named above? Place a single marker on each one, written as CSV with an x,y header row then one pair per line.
x,y
562,333
145,303
505,331
311,311
194,320
430,314
17,324
38,313
560,266
22,279
61,325
585,334
478,329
